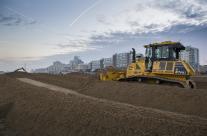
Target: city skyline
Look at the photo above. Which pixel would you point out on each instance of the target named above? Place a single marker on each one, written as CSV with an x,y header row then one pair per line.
x,y
38,33
117,61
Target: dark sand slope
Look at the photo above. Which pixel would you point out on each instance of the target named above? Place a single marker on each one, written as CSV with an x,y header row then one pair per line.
x,y
38,111
5,130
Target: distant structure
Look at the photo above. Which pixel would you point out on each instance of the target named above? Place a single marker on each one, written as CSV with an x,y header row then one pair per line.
x,y
40,70
56,68
118,60
203,69
95,64
191,55
122,60
82,68
107,62
75,62
75,65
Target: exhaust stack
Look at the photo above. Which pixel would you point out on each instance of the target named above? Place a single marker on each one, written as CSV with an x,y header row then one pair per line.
x,y
133,55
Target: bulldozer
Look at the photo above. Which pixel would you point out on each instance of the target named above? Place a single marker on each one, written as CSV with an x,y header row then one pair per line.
x,y
161,64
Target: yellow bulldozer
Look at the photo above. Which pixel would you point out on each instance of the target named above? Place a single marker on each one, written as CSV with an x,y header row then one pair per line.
x,y
161,64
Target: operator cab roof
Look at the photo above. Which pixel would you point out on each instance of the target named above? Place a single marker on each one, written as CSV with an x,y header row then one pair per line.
x,y
169,44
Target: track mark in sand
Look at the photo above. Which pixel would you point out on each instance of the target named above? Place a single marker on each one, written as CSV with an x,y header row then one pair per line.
x,y
48,86
67,91
61,89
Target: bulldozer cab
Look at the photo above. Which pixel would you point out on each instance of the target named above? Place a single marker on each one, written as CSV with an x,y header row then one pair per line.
x,y
168,51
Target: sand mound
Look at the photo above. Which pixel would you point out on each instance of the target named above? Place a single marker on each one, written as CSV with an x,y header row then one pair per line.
x,y
168,98
38,111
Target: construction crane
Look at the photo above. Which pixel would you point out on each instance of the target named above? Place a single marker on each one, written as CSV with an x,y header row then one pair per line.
x,y
161,64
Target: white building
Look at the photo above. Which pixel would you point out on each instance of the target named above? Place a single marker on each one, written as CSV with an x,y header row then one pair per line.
x,y
191,55
56,68
82,67
203,69
107,62
74,63
122,60
40,70
94,65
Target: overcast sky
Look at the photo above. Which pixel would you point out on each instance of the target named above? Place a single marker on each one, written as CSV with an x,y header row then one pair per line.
x,y
38,32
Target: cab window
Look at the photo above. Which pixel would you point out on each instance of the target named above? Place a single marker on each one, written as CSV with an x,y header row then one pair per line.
x,y
162,52
148,52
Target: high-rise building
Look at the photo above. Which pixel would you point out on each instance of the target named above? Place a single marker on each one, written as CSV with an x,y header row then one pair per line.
x,y
74,63
82,67
101,63
122,60
94,65
191,55
203,69
56,68
107,62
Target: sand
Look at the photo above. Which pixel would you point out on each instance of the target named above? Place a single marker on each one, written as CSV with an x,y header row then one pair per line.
x,y
40,111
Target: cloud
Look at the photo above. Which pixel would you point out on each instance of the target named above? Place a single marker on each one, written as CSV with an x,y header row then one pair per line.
x,y
148,19
152,16
9,20
121,39
15,18
140,24
102,19
74,44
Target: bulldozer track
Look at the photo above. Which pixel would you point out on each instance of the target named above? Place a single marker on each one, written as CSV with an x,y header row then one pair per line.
x,y
184,84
